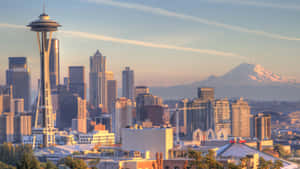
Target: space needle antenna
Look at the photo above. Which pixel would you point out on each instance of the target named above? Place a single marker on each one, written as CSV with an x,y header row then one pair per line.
x,y
44,6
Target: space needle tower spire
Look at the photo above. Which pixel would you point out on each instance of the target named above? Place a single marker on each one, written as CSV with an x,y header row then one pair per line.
x,y
44,131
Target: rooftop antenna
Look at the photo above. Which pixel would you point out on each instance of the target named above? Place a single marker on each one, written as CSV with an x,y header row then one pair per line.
x,y
44,6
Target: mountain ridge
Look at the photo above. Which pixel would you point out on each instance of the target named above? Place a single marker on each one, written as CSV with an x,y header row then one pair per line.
x,y
246,80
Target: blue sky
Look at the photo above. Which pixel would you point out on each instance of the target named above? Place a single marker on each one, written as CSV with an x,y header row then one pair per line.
x,y
202,37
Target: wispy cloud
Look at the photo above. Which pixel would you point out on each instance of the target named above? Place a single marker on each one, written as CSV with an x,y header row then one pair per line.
x,y
5,25
164,12
86,35
258,4
149,44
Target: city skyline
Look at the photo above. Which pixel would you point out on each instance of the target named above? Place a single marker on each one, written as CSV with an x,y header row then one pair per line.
x,y
274,45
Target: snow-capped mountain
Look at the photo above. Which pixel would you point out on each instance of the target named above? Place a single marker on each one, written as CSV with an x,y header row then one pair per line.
x,y
250,81
246,74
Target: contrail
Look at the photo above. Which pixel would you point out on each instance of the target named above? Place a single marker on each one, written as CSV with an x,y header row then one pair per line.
x,y
149,44
258,4
86,35
164,12
5,25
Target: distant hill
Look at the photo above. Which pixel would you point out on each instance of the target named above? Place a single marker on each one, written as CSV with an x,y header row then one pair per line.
x,y
250,81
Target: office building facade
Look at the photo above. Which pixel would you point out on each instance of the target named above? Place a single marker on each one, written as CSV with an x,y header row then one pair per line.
x,y
200,112
141,90
18,76
71,106
222,116
240,118
128,88
54,64
98,84
122,116
262,126
76,81
143,100
112,93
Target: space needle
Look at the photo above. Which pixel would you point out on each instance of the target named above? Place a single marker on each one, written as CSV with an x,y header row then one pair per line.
x,y
44,132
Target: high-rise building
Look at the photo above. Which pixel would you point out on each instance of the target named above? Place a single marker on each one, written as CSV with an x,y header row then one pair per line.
x,y
128,89
240,118
157,114
77,83
143,100
206,93
262,126
54,66
66,81
6,99
18,76
18,106
98,83
22,127
222,115
122,116
112,93
141,90
7,127
200,112
199,116
71,108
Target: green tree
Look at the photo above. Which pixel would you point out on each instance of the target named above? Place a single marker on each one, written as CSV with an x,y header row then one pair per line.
x,y
5,166
28,161
211,161
94,163
263,164
280,150
73,163
207,162
277,164
233,166
50,165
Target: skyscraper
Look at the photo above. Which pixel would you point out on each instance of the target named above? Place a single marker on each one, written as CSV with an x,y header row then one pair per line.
x,y
200,112
143,100
7,127
206,93
45,130
18,75
128,89
141,90
18,106
71,109
262,126
98,84
222,115
77,81
122,116
6,98
54,66
240,118
112,93
22,127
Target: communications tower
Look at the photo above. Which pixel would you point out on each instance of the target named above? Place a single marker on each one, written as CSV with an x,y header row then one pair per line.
x,y
44,130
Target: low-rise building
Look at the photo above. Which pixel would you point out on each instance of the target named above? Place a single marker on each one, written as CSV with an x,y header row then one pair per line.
x,y
103,138
154,140
128,164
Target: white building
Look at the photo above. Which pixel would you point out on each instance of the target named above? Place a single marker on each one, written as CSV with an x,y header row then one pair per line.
x,y
122,116
148,139
104,138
